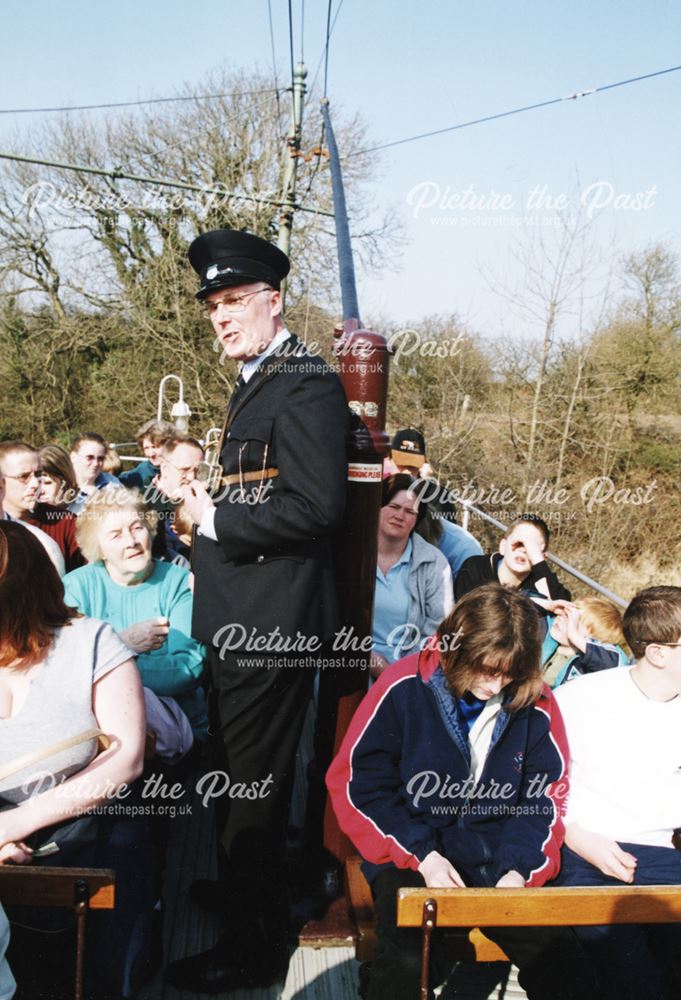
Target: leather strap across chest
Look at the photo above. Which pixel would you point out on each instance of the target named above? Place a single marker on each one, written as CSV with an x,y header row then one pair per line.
x,y
250,477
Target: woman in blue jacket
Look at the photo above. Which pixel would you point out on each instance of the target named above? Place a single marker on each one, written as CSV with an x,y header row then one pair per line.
x,y
454,772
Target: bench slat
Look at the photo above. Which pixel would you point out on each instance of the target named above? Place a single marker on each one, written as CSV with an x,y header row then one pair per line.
x,y
26,886
548,907
462,946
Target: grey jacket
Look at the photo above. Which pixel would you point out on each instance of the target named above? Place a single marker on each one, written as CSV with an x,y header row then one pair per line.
x,y
431,593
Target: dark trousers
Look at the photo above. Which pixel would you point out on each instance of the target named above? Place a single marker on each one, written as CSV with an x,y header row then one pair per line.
x,y
118,942
551,963
336,681
258,709
634,961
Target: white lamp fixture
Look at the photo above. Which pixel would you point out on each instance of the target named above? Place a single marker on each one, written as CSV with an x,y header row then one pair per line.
x,y
180,412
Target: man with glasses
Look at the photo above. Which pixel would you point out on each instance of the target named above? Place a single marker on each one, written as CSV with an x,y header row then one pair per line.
x,y
264,599
88,452
20,475
179,463
624,809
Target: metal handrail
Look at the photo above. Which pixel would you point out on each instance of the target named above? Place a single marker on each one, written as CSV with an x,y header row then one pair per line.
x,y
115,445
599,588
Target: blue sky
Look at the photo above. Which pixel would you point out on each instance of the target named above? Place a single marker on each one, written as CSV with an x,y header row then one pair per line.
x,y
409,68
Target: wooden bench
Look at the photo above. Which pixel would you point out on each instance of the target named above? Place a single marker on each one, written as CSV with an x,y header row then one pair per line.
x,y
80,889
464,945
545,907
459,910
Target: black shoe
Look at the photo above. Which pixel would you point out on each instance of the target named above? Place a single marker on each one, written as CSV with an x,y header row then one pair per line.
x,y
211,972
211,895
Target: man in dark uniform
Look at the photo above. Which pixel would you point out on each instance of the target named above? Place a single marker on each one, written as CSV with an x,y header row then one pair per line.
x,y
264,599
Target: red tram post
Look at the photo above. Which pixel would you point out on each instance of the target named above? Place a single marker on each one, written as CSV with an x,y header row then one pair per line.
x,y
363,368
363,358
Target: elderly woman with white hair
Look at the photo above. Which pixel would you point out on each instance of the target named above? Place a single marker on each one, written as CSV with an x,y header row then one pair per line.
x,y
147,602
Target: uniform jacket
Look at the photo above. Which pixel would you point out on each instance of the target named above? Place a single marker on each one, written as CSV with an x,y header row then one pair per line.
x,y
271,569
400,784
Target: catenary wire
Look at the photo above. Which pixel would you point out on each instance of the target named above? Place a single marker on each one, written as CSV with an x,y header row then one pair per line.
x,y
117,174
274,59
326,47
514,111
290,41
131,104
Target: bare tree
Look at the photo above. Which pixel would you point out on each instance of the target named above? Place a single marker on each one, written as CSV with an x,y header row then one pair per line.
x,y
89,252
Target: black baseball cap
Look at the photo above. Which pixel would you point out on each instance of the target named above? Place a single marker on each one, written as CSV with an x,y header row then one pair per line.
x,y
409,448
224,258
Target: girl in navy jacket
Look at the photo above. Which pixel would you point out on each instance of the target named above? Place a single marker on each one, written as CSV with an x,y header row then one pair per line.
x,y
454,772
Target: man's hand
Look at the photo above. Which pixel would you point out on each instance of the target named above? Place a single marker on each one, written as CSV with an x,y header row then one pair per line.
x,y
377,664
439,873
511,880
528,535
196,499
574,629
557,607
601,852
147,635
15,853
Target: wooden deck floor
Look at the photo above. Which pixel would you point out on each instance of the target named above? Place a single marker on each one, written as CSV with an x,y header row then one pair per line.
x,y
314,973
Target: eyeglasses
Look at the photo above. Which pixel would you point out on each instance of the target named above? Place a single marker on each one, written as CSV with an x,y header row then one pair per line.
x,y
187,470
234,304
25,477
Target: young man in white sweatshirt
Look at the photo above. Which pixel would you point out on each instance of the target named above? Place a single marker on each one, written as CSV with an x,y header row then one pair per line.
x,y
624,808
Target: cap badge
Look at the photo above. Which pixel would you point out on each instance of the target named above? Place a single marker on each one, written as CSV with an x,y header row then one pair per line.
x,y
214,270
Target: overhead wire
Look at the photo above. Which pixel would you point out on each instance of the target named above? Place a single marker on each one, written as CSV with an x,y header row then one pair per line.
x,y
290,39
514,111
326,47
325,57
274,59
322,57
302,31
117,174
131,104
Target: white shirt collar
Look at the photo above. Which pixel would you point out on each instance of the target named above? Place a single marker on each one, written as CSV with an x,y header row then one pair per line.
x,y
248,367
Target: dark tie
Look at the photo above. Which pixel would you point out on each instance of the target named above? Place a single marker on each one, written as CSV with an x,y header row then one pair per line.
x,y
239,386
237,391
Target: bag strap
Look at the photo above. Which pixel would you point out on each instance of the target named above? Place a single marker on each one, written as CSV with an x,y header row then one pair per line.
x,y
27,759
